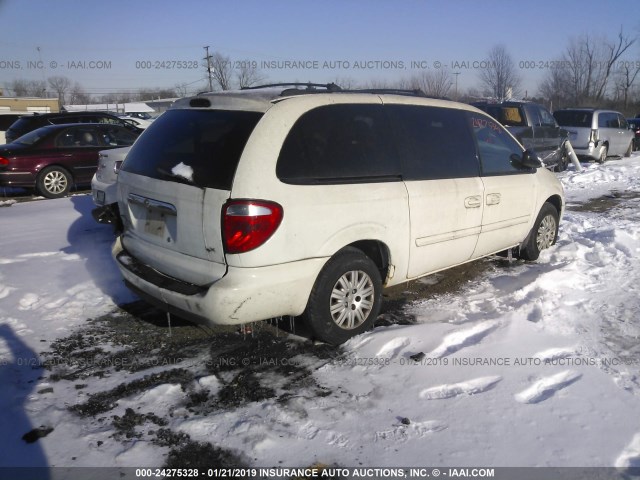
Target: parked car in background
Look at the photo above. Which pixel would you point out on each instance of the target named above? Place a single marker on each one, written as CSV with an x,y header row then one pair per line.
x,y
52,159
136,121
28,123
534,126
217,195
634,126
103,183
6,120
596,134
141,115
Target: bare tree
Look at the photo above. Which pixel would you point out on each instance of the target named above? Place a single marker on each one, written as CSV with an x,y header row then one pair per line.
x,y
78,96
590,65
28,88
181,89
500,75
346,83
625,78
248,76
221,70
60,85
613,53
18,87
436,83
556,85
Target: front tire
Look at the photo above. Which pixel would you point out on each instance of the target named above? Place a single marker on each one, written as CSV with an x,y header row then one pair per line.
x,y
629,150
543,234
563,162
53,182
603,154
345,300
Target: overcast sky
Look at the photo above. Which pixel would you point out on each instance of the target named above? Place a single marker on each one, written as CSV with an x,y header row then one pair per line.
x,y
116,45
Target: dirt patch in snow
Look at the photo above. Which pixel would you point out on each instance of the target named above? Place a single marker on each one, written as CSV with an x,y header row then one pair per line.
x,y
605,202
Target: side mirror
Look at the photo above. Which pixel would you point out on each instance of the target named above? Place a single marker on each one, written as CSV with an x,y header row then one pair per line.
x,y
529,159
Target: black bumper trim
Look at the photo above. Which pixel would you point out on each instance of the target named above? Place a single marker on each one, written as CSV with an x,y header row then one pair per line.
x,y
157,278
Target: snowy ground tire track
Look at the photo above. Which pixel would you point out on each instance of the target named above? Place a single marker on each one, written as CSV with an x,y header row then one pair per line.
x,y
470,387
547,387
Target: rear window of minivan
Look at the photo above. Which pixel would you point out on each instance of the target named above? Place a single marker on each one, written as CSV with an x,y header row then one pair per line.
x,y
573,118
197,147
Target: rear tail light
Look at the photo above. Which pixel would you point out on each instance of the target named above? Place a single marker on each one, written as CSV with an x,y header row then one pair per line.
x,y
593,138
4,161
247,224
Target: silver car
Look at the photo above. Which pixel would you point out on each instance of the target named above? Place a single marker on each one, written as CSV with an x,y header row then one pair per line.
x,y
596,134
103,184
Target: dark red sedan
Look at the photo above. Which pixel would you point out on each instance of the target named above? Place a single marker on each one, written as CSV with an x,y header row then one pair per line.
x,y
54,158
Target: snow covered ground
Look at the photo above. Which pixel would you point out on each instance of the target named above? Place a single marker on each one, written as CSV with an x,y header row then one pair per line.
x,y
529,365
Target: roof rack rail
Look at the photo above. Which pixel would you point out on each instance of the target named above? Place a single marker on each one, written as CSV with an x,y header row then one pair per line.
x,y
330,87
390,91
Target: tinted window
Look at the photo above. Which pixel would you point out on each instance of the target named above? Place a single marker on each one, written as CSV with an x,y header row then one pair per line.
x,y
495,146
33,136
339,143
573,118
533,113
6,120
623,122
547,118
608,120
433,142
116,136
509,115
78,137
208,141
71,119
24,124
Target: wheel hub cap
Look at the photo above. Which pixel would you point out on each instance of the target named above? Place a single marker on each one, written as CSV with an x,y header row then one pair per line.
x,y
546,232
352,299
55,182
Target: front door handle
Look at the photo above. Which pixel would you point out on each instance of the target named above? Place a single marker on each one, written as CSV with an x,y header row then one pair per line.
x,y
473,202
493,199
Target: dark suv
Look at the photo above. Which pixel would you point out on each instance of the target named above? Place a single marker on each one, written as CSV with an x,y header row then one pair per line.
x,y
29,123
534,126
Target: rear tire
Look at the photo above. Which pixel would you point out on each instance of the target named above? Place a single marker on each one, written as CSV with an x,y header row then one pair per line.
x,y
53,182
345,300
543,234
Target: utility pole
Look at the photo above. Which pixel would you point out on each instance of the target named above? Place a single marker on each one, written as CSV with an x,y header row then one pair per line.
x,y
208,59
456,74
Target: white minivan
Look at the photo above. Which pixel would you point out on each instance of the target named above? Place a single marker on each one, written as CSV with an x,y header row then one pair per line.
x,y
247,205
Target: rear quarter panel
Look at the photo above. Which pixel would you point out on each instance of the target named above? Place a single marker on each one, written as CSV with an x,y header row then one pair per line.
x,y
318,220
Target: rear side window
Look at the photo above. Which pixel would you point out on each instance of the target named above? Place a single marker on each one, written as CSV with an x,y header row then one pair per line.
x,y
116,135
199,147
495,146
608,120
25,124
433,143
78,137
339,144
573,118
7,120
